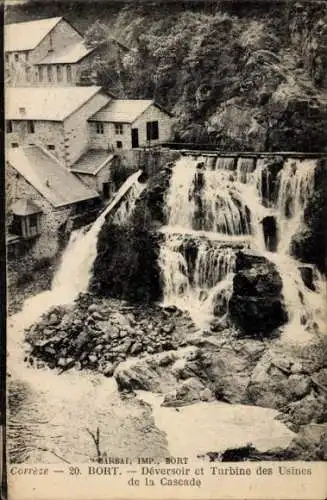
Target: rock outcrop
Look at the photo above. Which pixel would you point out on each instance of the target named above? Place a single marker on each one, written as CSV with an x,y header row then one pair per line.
x,y
256,306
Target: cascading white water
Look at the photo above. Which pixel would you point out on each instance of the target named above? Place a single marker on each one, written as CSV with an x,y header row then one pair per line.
x,y
197,280
296,186
73,274
244,169
210,199
56,409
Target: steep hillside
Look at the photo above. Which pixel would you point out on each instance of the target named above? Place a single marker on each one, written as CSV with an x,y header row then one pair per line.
x,y
238,74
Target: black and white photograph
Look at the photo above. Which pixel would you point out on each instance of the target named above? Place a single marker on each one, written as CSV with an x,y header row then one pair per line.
x,y
165,213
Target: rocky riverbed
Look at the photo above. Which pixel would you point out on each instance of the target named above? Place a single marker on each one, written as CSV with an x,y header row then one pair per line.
x,y
161,350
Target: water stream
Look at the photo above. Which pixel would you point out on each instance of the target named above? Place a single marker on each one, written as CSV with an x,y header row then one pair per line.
x,y
49,414
220,205
215,209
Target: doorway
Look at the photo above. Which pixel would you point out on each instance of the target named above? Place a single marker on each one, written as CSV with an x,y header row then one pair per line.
x,y
105,190
135,137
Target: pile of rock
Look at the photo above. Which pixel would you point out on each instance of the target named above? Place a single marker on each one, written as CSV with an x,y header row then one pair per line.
x,y
101,335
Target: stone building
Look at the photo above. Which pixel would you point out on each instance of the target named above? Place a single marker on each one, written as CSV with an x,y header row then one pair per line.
x,y
94,169
124,124
50,52
43,200
43,52
56,119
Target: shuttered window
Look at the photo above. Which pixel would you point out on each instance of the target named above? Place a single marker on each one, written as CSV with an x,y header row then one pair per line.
x,y
152,131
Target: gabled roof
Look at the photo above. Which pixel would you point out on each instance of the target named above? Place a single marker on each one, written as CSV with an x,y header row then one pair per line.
x,y
25,207
92,162
68,55
48,176
123,110
44,103
27,35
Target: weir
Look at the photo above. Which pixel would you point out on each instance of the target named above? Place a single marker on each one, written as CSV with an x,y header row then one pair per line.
x,y
217,205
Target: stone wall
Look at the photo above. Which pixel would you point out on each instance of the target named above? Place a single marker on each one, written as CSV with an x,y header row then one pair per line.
x,y
46,133
62,36
45,246
76,128
154,114
109,138
151,161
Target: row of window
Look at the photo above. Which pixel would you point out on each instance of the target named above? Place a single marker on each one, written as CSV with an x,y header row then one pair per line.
x,y
30,126
50,147
119,128
152,129
23,56
50,73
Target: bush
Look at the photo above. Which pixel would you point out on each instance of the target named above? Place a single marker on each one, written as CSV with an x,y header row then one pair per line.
x,y
126,265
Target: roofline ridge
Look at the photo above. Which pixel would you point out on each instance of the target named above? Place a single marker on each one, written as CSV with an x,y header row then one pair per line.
x,y
51,29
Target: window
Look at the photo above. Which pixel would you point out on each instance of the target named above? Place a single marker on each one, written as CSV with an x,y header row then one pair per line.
x,y
33,218
16,57
9,126
152,131
119,144
119,129
7,57
106,190
50,74
59,73
41,73
14,145
100,128
28,74
50,42
51,147
69,73
30,127
26,56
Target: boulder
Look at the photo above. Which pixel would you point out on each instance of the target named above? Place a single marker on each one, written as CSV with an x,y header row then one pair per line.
x,y
93,308
120,320
185,393
311,409
136,348
307,276
300,385
108,370
206,395
256,306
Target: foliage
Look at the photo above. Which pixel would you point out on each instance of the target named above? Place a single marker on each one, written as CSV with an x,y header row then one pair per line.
x,y
126,264
118,174
242,74
235,81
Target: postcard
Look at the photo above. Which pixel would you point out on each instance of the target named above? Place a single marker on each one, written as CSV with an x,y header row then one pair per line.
x,y
165,192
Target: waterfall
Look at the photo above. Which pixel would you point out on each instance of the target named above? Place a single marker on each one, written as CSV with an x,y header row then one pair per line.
x,y
198,280
220,206
296,186
75,268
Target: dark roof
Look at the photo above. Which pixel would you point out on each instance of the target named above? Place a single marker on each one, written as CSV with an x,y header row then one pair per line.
x,y
48,176
25,207
92,162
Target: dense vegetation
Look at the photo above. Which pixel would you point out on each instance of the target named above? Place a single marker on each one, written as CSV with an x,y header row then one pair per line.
x,y
242,75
